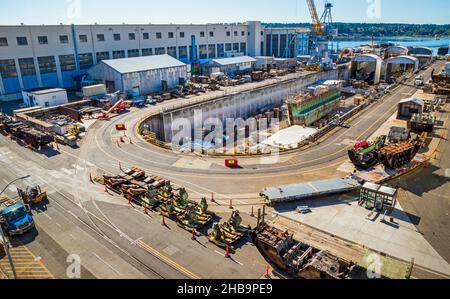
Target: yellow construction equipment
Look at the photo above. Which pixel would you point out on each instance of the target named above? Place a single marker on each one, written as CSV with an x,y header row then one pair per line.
x,y
316,23
73,131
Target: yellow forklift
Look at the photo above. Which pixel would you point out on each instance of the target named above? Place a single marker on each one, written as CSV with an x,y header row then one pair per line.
x,y
32,196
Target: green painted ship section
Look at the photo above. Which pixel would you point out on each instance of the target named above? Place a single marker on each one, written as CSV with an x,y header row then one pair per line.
x,y
310,108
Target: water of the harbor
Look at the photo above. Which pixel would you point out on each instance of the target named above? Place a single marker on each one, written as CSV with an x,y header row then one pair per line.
x,y
433,43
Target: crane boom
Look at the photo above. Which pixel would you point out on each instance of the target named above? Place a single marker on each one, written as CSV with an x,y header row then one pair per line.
x,y
316,23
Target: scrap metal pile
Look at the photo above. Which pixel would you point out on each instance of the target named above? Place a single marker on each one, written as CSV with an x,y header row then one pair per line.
x,y
366,154
441,84
20,131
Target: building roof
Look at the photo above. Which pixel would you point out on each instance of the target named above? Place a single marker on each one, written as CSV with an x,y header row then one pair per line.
x,y
414,100
41,91
142,64
397,49
380,189
234,60
367,57
309,189
404,59
429,50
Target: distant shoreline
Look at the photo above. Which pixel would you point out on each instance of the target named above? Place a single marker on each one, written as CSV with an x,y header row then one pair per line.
x,y
397,38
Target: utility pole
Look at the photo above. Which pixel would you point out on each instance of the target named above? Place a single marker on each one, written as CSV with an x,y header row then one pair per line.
x,y
6,247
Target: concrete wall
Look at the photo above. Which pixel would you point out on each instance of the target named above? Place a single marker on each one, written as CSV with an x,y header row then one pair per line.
x,y
243,105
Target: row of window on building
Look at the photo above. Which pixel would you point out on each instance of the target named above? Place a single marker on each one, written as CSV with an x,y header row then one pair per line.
x,y
48,64
280,45
83,38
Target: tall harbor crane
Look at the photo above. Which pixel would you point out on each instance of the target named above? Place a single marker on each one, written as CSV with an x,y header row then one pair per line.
x,y
320,36
317,25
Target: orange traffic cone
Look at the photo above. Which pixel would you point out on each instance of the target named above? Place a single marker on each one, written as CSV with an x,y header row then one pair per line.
x,y
227,252
267,273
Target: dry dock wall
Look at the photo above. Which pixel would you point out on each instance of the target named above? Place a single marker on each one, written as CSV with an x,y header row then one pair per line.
x,y
241,105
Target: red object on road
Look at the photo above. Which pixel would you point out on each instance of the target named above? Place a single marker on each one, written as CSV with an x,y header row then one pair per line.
x,y
232,163
361,144
227,252
267,273
121,127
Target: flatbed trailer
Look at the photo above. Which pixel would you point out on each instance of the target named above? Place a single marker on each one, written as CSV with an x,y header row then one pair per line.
x,y
381,174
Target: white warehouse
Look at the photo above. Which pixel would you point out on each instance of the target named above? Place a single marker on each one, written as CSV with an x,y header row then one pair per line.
x,y
140,75
230,65
60,55
45,97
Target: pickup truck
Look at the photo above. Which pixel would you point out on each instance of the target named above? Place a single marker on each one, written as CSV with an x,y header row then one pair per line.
x,y
419,81
15,216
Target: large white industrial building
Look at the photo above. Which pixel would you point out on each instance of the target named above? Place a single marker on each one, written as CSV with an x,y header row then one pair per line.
x,y
59,55
140,75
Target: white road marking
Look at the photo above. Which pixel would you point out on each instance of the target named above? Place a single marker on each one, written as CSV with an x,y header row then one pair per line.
x,y
46,215
66,171
72,214
106,263
222,254
12,188
55,174
77,167
137,241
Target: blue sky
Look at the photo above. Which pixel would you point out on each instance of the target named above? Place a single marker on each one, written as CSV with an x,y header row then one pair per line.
x,y
214,11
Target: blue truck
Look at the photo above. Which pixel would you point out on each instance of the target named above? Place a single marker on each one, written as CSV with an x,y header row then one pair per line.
x,y
15,216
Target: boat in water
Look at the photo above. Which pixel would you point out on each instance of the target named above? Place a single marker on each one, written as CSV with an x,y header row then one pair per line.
x,y
301,260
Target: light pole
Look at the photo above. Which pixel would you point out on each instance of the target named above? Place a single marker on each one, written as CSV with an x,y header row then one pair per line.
x,y
18,179
5,241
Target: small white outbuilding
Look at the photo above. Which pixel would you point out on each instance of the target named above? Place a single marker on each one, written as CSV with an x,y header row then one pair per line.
x,y
46,97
